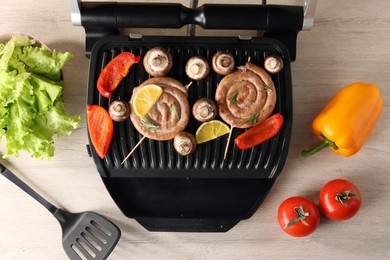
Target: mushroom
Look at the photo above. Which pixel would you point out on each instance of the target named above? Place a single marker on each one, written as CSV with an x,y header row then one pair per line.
x,y
273,64
158,62
184,143
119,110
197,68
204,110
223,62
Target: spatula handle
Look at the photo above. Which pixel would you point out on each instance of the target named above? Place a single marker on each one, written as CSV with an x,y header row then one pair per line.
x,y
18,182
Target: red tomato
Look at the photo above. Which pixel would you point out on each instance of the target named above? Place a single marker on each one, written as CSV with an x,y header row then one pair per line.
x,y
340,199
298,216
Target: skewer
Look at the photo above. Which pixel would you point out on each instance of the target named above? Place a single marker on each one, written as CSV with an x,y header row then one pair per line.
x,y
188,85
132,150
227,143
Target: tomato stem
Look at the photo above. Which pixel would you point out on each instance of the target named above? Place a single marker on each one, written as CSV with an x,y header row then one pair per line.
x,y
344,196
301,215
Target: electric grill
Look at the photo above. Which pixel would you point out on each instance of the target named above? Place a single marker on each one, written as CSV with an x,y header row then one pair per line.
x,y
203,192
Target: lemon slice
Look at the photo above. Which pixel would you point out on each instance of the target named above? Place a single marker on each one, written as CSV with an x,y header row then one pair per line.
x,y
145,98
211,130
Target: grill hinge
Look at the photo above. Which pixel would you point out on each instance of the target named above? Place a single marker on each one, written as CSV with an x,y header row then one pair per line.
x,y
245,37
136,36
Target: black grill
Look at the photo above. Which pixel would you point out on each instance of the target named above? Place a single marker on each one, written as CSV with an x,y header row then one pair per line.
x,y
162,190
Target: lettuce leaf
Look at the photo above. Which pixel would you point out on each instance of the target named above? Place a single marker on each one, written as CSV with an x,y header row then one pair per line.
x,y
41,61
32,109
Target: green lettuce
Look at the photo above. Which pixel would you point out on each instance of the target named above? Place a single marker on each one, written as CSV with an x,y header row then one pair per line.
x,y
32,109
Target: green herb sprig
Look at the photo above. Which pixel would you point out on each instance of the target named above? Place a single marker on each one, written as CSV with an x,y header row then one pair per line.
x,y
266,87
147,126
172,107
233,97
252,119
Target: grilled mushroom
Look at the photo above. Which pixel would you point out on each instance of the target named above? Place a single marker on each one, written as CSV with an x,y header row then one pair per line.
x,y
158,62
184,143
197,68
204,110
223,62
119,110
273,64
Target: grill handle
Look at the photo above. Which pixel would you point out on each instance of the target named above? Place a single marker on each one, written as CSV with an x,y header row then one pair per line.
x,y
101,19
208,16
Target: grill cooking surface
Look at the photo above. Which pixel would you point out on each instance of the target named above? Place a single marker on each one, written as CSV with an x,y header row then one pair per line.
x,y
158,158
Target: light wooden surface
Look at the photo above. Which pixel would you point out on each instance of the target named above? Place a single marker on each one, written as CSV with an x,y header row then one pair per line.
x,y
350,42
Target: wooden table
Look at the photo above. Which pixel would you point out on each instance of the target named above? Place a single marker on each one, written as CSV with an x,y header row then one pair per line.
x,y
350,42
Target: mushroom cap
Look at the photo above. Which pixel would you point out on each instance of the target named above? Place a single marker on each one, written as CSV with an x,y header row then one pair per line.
x,y
223,62
158,61
204,110
273,64
184,143
197,68
119,110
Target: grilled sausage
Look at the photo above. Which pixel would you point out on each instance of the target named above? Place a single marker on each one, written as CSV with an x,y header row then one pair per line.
x,y
246,97
169,115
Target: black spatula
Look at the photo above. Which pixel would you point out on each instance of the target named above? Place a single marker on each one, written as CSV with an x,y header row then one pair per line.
x,y
85,235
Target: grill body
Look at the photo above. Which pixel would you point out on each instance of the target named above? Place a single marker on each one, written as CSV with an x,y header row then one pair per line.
x,y
164,191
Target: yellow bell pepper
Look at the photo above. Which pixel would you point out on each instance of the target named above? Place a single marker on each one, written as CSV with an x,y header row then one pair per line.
x,y
348,119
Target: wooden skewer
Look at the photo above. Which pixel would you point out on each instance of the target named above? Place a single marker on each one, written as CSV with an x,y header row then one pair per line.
x,y
228,141
132,150
188,85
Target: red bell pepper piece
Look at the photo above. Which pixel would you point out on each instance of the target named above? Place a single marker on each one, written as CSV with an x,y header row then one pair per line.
x,y
114,72
100,128
260,133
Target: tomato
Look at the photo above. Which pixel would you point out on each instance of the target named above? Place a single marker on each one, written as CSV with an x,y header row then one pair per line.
x,y
298,216
340,199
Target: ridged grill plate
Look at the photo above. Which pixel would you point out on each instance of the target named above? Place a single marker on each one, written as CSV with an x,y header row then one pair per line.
x,y
158,158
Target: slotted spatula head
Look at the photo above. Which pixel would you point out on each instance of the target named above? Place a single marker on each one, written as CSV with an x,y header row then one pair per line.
x,y
87,235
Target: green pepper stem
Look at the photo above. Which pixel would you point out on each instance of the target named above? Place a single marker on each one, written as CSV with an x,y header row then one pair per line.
x,y
324,144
